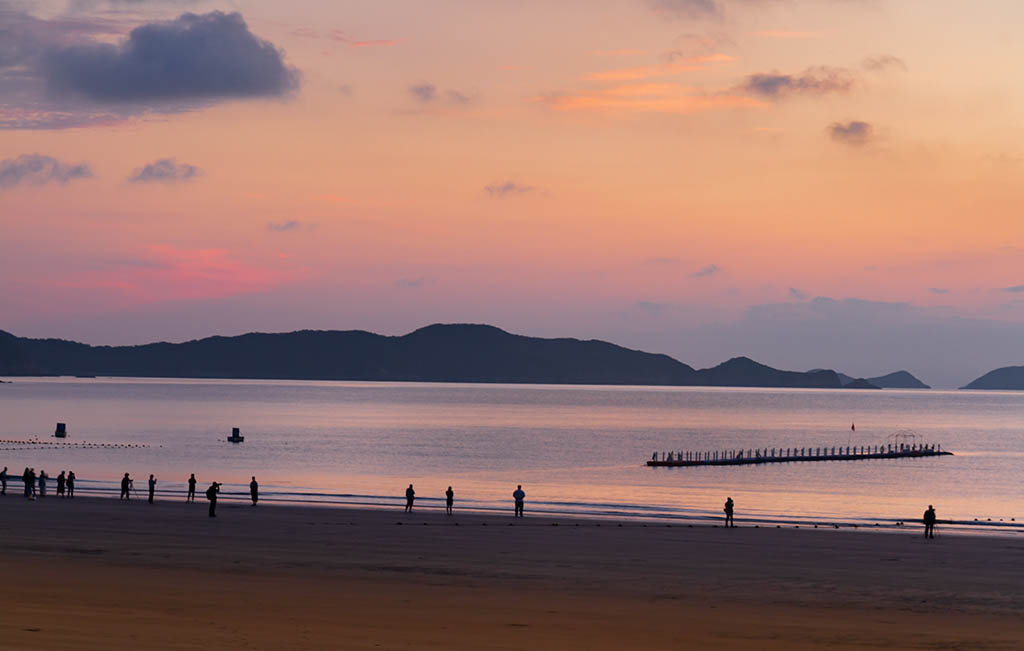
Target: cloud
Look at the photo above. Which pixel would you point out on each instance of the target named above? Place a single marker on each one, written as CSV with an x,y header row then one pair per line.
x,y
425,93
854,132
36,169
938,290
882,62
686,8
429,93
704,272
798,294
1016,289
507,189
647,98
820,80
193,57
166,170
410,283
284,226
676,66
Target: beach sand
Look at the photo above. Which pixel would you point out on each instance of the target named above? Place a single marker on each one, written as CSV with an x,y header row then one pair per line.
x,y
101,574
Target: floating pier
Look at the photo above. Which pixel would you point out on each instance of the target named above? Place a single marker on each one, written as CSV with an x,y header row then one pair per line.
x,y
787,455
236,436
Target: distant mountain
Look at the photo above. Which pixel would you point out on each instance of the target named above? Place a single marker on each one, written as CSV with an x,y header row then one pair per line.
x,y
436,353
861,383
898,380
1006,378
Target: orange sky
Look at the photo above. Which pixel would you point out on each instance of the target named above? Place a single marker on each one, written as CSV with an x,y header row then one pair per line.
x,y
555,170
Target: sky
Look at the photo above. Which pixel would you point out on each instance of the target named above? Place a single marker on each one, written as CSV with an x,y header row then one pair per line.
x,y
811,183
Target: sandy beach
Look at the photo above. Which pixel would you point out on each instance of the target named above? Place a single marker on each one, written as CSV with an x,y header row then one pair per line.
x,y
101,574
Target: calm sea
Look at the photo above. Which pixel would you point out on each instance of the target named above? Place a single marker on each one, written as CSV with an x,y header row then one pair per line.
x,y
575,450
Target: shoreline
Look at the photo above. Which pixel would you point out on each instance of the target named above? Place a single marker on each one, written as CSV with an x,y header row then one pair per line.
x,y
275,576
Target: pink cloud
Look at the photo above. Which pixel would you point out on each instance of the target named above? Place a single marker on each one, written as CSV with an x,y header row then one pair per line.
x,y
656,98
341,37
660,70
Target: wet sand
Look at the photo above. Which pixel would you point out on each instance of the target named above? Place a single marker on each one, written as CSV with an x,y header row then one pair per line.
x,y
101,574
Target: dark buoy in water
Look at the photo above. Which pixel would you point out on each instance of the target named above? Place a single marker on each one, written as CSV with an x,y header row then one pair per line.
x,y
236,436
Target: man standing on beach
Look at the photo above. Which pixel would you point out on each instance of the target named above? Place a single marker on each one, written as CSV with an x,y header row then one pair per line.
x,y
211,494
518,495
71,483
410,495
254,491
728,513
3,481
449,496
126,484
191,497
152,488
929,522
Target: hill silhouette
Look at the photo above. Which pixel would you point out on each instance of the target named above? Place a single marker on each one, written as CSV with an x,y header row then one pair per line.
x,y
436,353
898,380
1009,378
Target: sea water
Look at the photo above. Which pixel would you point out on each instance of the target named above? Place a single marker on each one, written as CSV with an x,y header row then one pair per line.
x,y
576,450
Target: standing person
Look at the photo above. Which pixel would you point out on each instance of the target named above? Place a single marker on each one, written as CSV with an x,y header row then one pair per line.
x,y
152,488
449,496
728,513
61,479
71,483
410,495
254,491
32,481
42,483
518,495
929,522
211,494
28,486
3,481
126,484
191,497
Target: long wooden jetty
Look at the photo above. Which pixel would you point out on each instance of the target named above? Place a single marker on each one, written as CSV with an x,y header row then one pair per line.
x,y
787,455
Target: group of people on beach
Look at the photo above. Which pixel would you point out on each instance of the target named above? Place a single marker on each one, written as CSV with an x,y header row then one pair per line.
x,y
32,480
449,500
128,485
66,488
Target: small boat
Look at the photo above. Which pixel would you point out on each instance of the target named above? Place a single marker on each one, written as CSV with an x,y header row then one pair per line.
x,y
61,432
236,436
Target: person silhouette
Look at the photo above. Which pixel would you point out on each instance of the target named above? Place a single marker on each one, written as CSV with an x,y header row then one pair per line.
x,y
410,495
3,481
518,495
28,487
254,491
728,513
449,496
71,483
152,488
126,484
42,483
929,522
61,479
32,482
191,497
211,494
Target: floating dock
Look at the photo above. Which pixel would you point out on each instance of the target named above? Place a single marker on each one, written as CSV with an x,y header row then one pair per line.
x,y
788,455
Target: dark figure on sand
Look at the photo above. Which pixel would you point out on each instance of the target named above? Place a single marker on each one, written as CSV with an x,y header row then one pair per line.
x,y
71,483
152,488
32,482
449,496
211,494
254,491
410,495
191,497
28,485
728,512
929,522
518,495
126,486
3,481
61,482
42,483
